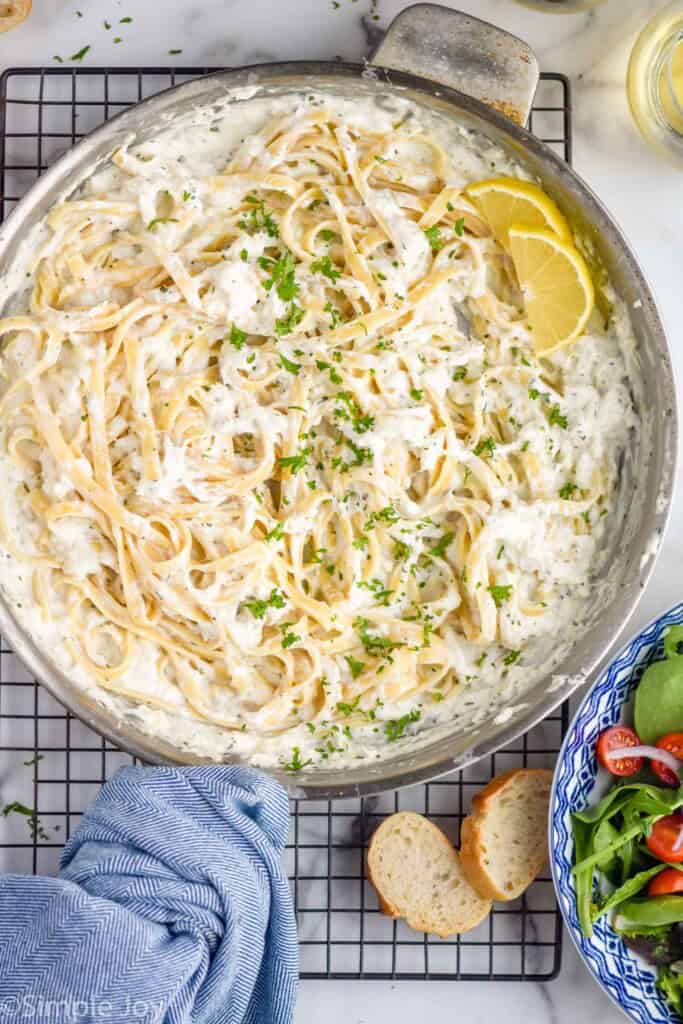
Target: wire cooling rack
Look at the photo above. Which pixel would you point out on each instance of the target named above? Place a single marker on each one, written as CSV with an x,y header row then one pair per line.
x,y
51,765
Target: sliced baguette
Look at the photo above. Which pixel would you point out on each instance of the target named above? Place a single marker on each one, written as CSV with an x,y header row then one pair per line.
x,y
503,843
417,875
13,12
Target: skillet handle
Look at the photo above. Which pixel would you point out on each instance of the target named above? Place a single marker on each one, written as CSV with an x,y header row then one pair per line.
x,y
463,53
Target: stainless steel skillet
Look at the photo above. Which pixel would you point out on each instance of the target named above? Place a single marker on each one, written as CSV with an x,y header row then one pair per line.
x,y
484,79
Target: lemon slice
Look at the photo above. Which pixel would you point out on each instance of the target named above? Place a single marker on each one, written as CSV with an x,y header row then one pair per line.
x,y
506,201
556,284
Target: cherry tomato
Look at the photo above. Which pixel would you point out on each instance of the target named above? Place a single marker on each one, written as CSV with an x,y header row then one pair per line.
x,y
612,739
667,882
663,838
673,742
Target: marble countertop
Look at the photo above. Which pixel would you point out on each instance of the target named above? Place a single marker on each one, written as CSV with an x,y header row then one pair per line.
x,y
641,190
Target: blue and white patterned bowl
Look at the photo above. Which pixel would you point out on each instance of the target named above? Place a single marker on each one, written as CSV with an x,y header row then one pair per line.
x,y
625,978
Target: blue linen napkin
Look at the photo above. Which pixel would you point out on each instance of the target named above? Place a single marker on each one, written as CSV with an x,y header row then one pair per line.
x,y
172,905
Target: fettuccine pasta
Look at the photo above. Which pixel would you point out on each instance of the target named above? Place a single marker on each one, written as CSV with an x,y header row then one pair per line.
x,y
283,460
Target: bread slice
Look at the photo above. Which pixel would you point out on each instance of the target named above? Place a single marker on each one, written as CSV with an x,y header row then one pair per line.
x,y
503,843
418,876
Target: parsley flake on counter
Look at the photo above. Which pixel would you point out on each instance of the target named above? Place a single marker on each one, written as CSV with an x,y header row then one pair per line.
x,y
80,54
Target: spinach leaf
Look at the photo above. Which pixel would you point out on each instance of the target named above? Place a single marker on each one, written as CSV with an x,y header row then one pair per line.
x,y
659,697
651,912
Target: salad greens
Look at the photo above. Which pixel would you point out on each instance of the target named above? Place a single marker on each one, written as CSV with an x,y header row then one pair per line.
x,y
659,697
634,835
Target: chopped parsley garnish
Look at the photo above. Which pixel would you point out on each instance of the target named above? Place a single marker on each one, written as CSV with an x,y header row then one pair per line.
x,y
360,543
361,455
173,52
439,549
258,218
416,394
296,764
511,657
335,315
286,324
567,490
555,417
281,275
355,667
434,237
335,376
294,462
378,590
80,54
459,226
500,593
375,645
125,21
347,709
460,373
387,515
485,448
289,638
161,220
258,607
237,337
396,727
276,533
534,393
349,409
35,828
289,365
401,550
326,267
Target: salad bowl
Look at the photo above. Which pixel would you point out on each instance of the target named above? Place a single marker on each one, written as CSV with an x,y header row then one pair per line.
x,y
580,783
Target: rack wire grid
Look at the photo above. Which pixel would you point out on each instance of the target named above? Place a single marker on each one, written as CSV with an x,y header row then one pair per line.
x,y
52,765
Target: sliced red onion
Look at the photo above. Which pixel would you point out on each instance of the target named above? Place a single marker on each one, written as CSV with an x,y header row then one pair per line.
x,y
654,753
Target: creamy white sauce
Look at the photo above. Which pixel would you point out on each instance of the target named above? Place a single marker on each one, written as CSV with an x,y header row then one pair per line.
x,y
596,402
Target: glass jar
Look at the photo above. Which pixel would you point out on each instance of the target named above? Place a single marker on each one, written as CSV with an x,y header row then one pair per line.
x,y
654,81
560,6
